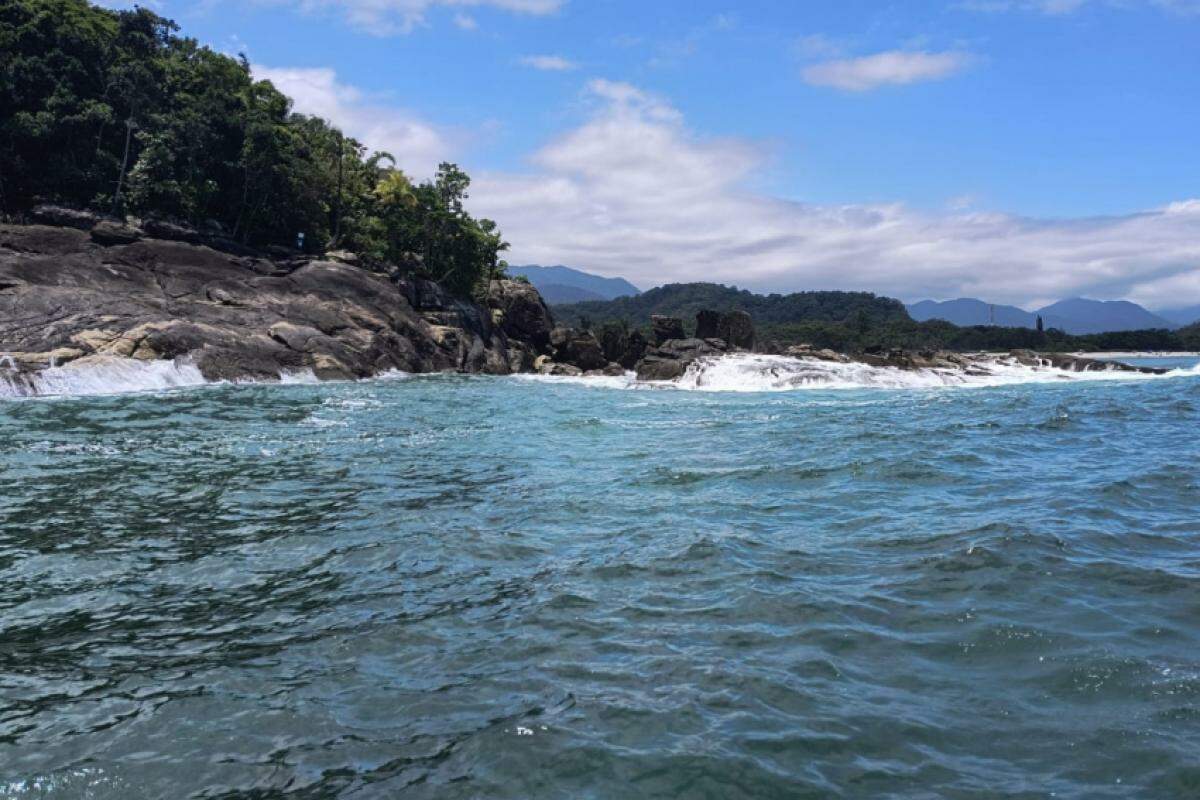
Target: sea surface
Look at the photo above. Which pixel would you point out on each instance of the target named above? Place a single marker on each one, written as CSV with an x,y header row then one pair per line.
x,y
470,587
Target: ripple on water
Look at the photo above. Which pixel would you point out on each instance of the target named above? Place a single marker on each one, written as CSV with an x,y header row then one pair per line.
x,y
465,587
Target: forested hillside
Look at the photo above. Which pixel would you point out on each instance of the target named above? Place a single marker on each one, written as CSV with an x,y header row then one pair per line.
x,y
114,111
854,322
686,299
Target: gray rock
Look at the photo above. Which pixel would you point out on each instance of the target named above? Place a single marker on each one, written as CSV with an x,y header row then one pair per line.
x,y
109,233
234,317
60,216
578,348
519,310
737,329
170,231
666,328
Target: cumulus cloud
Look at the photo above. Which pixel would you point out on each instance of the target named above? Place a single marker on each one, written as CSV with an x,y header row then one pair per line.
x,y
416,145
891,68
549,63
385,17
634,192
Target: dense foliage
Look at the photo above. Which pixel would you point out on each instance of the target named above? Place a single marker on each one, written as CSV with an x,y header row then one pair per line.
x,y
112,110
685,300
854,322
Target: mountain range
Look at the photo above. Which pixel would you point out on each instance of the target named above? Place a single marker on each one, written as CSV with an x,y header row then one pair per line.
x,y
559,285
1077,316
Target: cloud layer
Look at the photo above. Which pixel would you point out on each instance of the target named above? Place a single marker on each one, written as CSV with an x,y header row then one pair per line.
x,y
417,146
891,68
633,192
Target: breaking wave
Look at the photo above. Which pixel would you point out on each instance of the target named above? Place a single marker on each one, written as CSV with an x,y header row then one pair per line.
x,y
763,373
757,373
103,375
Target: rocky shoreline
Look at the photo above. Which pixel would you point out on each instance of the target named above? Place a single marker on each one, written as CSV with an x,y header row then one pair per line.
x,y
86,290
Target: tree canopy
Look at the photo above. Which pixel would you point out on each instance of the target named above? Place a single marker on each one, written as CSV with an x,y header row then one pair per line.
x,y
114,111
854,322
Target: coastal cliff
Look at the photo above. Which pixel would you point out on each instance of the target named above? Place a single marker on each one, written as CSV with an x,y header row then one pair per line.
x,y
74,297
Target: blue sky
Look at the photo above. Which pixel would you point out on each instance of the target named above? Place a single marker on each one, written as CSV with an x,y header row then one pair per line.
x,y
1022,150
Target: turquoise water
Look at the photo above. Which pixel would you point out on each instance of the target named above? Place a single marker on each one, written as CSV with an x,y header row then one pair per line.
x,y
456,587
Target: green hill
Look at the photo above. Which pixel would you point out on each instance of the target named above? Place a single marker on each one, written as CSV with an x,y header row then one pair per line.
x,y
685,300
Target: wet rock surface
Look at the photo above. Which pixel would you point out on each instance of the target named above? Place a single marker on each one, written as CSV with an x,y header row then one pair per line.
x,y
69,294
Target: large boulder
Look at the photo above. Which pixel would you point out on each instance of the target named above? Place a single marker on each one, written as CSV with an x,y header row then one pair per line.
x,y
708,324
63,217
110,233
170,231
520,312
737,329
666,328
672,359
577,348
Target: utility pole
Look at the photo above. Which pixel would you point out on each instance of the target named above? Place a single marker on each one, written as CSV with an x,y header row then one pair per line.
x,y
129,126
337,205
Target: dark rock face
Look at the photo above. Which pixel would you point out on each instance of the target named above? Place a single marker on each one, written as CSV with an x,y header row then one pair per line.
x,y
578,348
737,328
666,328
523,314
65,297
635,350
708,324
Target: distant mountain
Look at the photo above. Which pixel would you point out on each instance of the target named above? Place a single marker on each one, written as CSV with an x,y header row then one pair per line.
x,y
1100,316
969,311
566,285
558,294
1182,316
1076,316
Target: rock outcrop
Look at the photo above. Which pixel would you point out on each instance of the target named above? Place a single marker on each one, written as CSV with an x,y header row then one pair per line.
x,y
716,334
68,294
733,327
665,329
671,360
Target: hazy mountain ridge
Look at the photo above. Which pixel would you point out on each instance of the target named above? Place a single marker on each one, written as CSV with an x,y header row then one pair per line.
x,y
561,284
1078,316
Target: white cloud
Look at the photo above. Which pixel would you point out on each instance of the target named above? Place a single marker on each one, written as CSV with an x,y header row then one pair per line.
x,y
465,21
891,68
633,192
549,63
417,146
385,17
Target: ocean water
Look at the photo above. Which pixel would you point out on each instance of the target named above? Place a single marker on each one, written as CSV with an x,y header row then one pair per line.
x,y
465,587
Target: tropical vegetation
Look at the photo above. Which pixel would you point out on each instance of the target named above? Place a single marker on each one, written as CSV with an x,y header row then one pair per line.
x,y
854,322
115,111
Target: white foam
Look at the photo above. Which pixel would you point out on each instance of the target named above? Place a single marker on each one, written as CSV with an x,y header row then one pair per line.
x,y
760,373
99,375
